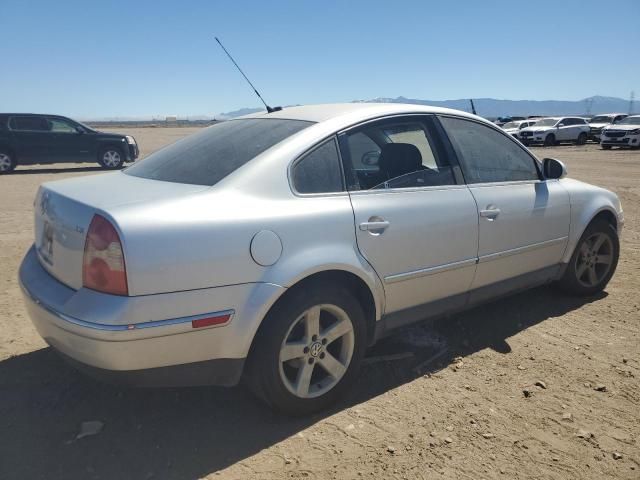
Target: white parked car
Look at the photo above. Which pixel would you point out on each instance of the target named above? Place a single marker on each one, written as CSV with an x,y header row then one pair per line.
x,y
554,130
513,128
279,246
625,133
597,123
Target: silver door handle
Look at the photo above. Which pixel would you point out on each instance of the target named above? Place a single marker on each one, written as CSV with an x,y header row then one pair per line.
x,y
368,226
490,213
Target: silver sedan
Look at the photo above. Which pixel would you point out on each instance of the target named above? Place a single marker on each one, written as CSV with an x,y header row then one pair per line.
x,y
279,246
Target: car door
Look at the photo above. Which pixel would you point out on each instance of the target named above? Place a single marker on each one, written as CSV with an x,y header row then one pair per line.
x,y
523,219
564,130
30,137
67,143
416,222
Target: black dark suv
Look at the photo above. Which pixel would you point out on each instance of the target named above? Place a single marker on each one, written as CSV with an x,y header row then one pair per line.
x,y
27,139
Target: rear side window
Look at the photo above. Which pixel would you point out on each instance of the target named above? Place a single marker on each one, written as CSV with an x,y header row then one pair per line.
x,y
208,156
487,155
319,171
31,124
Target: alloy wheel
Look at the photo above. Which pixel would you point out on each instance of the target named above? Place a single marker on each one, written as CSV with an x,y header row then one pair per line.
x,y
5,162
594,260
316,351
111,158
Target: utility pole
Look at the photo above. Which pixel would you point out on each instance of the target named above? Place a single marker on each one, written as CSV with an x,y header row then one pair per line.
x,y
632,98
588,103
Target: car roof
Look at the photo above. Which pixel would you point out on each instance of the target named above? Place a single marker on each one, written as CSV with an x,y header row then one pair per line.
x,y
354,112
31,115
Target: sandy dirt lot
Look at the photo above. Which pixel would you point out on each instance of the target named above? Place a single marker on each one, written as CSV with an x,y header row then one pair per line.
x,y
462,416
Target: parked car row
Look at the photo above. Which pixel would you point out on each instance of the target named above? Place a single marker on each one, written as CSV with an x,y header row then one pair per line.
x,y
614,129
28,139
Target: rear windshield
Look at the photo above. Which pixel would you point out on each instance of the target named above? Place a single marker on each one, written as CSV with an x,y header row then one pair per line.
x,y
208,156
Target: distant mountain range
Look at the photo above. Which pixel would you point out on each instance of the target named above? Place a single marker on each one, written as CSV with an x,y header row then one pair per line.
x,y
491,107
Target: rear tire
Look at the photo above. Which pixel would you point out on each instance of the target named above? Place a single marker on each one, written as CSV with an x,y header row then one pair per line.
x,y
582,139
550,140
298,364
7,161
594,260
111,158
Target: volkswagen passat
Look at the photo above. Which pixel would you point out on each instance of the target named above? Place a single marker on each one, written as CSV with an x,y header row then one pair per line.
x,y
279,246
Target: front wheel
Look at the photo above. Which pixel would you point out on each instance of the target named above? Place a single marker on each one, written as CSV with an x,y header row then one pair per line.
x,y
308,350
594,260
550,140
111,158
582,139
7,162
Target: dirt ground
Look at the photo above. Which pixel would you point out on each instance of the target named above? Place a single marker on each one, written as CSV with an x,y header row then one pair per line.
x,y
461,416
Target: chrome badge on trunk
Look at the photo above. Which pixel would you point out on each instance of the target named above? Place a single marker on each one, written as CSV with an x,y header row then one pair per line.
x,y
46,245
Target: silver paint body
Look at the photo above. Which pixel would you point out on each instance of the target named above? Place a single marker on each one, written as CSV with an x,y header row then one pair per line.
x,y
239,245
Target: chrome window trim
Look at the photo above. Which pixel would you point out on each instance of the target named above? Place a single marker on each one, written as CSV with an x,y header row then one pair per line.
x,y
429,188
400,277
518,250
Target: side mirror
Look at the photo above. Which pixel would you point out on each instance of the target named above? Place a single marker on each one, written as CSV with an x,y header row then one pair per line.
x,y
79,130
553,169
560,125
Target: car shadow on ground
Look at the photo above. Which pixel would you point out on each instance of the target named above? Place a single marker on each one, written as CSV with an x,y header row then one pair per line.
x,y
39,171
191,432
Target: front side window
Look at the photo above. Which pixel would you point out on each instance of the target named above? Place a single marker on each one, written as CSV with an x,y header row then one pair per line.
x,y
29,124
487,155
397,153
601,119
61,126
319,171
208,156
635,120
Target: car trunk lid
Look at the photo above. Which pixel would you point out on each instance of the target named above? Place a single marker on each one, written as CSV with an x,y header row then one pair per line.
x,y
64,209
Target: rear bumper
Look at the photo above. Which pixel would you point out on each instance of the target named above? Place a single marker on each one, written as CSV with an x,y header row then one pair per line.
x,y
147,340
223,372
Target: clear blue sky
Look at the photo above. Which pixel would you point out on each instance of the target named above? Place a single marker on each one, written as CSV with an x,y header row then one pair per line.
x,y
136,58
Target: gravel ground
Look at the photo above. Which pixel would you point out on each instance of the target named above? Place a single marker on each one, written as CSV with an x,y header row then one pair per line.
x,y
461,415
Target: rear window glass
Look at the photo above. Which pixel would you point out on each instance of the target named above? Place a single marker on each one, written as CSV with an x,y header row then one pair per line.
x,y
208,156
37,124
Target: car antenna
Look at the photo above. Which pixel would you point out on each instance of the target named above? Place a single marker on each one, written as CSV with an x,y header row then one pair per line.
x,y
473,108
269,109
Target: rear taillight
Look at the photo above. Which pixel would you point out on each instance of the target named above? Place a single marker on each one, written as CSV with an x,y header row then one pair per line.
x,y
103,266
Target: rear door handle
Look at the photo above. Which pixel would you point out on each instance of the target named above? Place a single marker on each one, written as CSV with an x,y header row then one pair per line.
x,y
490,212
372,226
